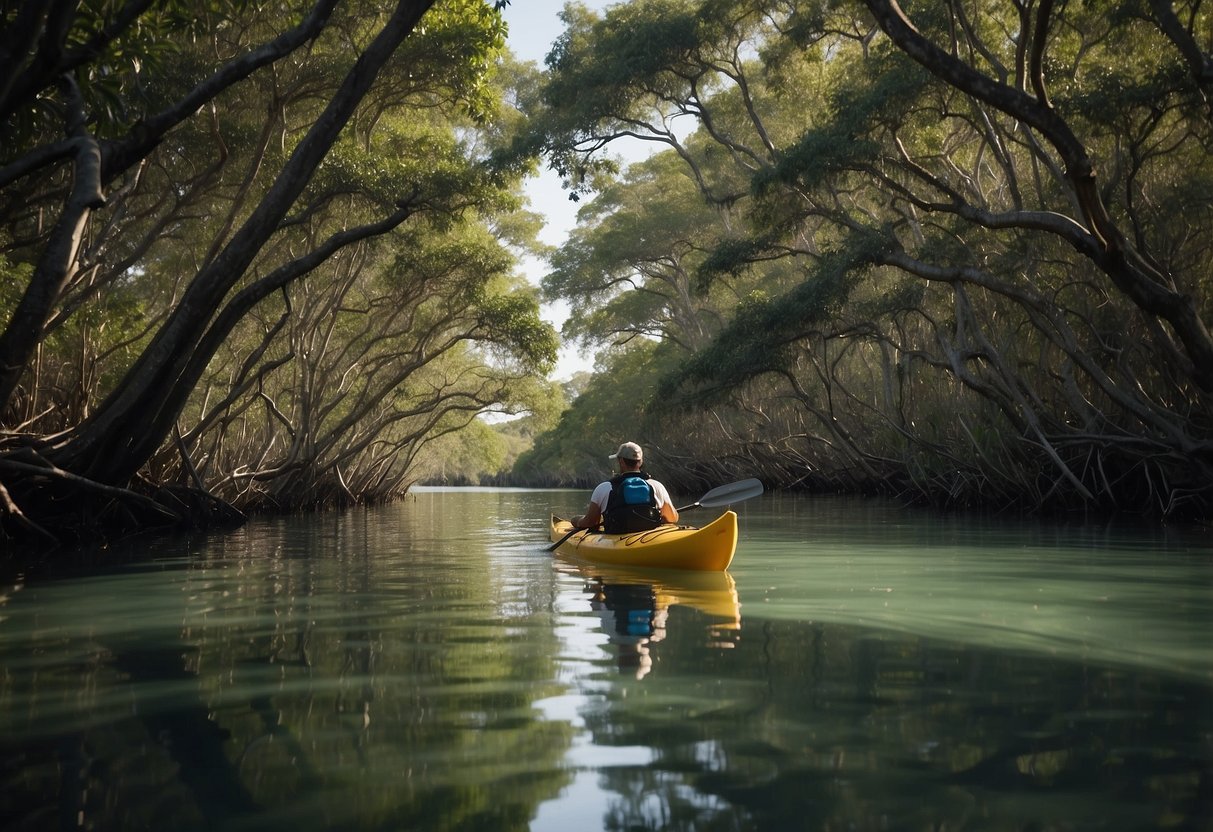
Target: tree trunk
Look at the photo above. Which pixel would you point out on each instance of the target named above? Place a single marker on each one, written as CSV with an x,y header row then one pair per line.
x,y
137,416
96,163
24,332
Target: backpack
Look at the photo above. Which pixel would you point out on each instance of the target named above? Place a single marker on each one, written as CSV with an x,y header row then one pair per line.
x,y
632,506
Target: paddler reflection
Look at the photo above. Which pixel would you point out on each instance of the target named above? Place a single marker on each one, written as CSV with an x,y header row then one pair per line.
x,y
635,608
633,621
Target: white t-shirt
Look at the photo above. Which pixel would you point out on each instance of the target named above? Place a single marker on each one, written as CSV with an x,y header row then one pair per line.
x,y
602,493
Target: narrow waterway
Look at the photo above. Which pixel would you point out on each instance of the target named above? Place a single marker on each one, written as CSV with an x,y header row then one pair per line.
x,y
429,666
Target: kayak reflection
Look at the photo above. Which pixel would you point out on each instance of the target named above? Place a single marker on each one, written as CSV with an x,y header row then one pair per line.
x,y
635,605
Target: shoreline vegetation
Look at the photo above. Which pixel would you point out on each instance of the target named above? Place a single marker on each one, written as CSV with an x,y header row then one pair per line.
x,y
258,262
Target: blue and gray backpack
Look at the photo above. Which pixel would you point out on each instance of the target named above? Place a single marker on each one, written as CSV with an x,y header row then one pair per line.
x,y
632,506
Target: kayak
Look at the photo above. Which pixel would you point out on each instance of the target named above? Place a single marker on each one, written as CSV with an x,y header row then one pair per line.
x,y
708,549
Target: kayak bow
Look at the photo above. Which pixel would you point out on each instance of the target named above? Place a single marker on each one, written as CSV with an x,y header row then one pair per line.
x,y
709,548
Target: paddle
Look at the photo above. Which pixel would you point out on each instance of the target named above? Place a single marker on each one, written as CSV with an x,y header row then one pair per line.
x,y
556,545
724,495
721,495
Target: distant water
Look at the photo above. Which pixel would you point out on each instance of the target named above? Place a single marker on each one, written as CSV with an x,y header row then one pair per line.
x,y
428,666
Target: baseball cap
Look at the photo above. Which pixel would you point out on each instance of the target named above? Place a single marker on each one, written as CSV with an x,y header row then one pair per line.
x,y
628,450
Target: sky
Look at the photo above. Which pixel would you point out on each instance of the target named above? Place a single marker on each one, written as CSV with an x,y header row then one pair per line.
x,y
534,25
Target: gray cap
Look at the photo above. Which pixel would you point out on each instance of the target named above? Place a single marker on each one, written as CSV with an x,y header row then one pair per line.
x,y
628,450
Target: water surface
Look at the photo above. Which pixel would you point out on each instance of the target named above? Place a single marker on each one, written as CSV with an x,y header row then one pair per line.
x,y
429,666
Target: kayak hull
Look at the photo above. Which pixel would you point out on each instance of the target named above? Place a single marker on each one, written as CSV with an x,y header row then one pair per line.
x,y
707,549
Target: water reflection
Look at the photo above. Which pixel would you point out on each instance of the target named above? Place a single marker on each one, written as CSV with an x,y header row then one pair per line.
x,y
428,666
634,605
331,674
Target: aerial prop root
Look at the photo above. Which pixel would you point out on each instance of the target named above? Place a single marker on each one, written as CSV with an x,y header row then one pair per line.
x,y
33,491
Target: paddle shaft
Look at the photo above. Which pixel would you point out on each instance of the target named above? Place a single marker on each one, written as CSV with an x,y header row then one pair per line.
x,y
556,545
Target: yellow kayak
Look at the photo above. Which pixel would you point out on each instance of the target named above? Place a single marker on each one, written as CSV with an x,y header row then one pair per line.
x,y
708,549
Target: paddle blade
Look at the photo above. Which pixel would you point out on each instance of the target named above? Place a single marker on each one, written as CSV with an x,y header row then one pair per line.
x,y
733,492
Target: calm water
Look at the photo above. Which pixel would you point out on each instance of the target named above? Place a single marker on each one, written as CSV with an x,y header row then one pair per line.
x,y
427,666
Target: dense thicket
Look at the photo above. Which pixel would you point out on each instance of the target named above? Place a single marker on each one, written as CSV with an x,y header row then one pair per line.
x,y
251,254
961,256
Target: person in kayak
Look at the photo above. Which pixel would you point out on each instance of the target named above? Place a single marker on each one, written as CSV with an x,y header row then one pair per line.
x,y
631,501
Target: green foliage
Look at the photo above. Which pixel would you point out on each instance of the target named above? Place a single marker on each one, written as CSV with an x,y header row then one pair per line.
x,y
611,409
513,322
13,278
463,458
332,389
485,451
458,47
876,97
732,256
827,155
606,71
627,268
763,333
600,66
118,83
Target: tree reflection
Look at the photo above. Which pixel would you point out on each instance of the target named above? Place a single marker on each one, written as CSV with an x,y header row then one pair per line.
x,y
821,726
287,683
310,677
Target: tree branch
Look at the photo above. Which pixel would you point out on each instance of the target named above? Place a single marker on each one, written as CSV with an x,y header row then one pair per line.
x,y
1114,255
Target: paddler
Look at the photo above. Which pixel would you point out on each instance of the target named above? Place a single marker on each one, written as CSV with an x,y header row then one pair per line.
x,y
631,501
